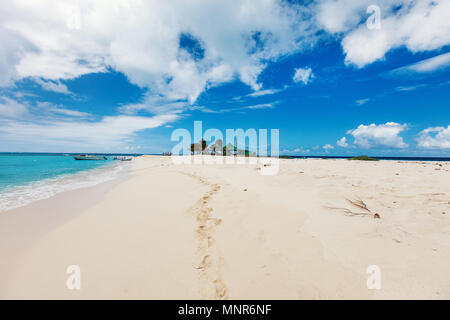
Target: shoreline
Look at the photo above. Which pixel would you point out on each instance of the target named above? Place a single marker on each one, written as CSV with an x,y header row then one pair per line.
x,y
21,227
14,197
227,232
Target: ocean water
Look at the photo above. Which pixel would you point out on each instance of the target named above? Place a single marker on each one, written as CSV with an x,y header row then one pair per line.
x,y
25,178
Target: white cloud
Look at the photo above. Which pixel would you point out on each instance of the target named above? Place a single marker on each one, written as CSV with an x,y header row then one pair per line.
x,y
142,40
58,40
12,50
264,92
409,88
12,109
109,132
339,16
342,142
46,107
328,147
55,86
299,150
383,135
360,102
303,75
260,106
71,113
237,109
418,25
155,105
23,94
431,64
15,109
260,93
437,63
434,138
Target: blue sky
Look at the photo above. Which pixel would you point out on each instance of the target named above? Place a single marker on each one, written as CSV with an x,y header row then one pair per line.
x,y
75,80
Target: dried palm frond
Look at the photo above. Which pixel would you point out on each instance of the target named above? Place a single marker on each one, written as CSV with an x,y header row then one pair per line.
x,y
359,204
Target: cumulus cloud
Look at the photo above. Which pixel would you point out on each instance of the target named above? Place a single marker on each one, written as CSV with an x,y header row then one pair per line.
x,y
178,48
12,50
382,135
434,138
340,16
174,48
328,147
303,75
342,142
418,25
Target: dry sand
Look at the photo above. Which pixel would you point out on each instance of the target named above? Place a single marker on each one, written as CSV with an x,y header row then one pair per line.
x,y
227,232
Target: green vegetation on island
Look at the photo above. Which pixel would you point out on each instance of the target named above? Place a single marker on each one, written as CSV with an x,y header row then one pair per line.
x,y
217,148
364,158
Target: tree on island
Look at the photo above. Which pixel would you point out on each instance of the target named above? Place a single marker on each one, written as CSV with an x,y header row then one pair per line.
x,y
216,147
199,147
229,149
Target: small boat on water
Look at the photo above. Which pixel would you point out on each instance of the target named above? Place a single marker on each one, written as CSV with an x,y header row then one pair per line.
x,y
89,157
123,158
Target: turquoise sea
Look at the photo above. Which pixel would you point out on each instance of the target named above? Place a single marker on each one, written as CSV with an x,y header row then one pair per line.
x,y
27,177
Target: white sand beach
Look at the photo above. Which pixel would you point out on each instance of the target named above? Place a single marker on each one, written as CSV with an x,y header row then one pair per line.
x,y
227,232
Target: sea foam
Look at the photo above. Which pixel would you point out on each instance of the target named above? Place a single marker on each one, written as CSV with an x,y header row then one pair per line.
x,y
18,196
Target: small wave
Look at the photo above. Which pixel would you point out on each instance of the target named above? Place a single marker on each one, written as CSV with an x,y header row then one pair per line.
x,y
20,196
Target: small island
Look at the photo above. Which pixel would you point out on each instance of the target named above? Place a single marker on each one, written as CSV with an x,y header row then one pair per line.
x,y
364,158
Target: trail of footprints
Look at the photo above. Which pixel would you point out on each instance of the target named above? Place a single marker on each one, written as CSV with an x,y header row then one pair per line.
x,y
209,258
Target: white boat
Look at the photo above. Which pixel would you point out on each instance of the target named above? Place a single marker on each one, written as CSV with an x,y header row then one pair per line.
x,y
89,157
123,158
